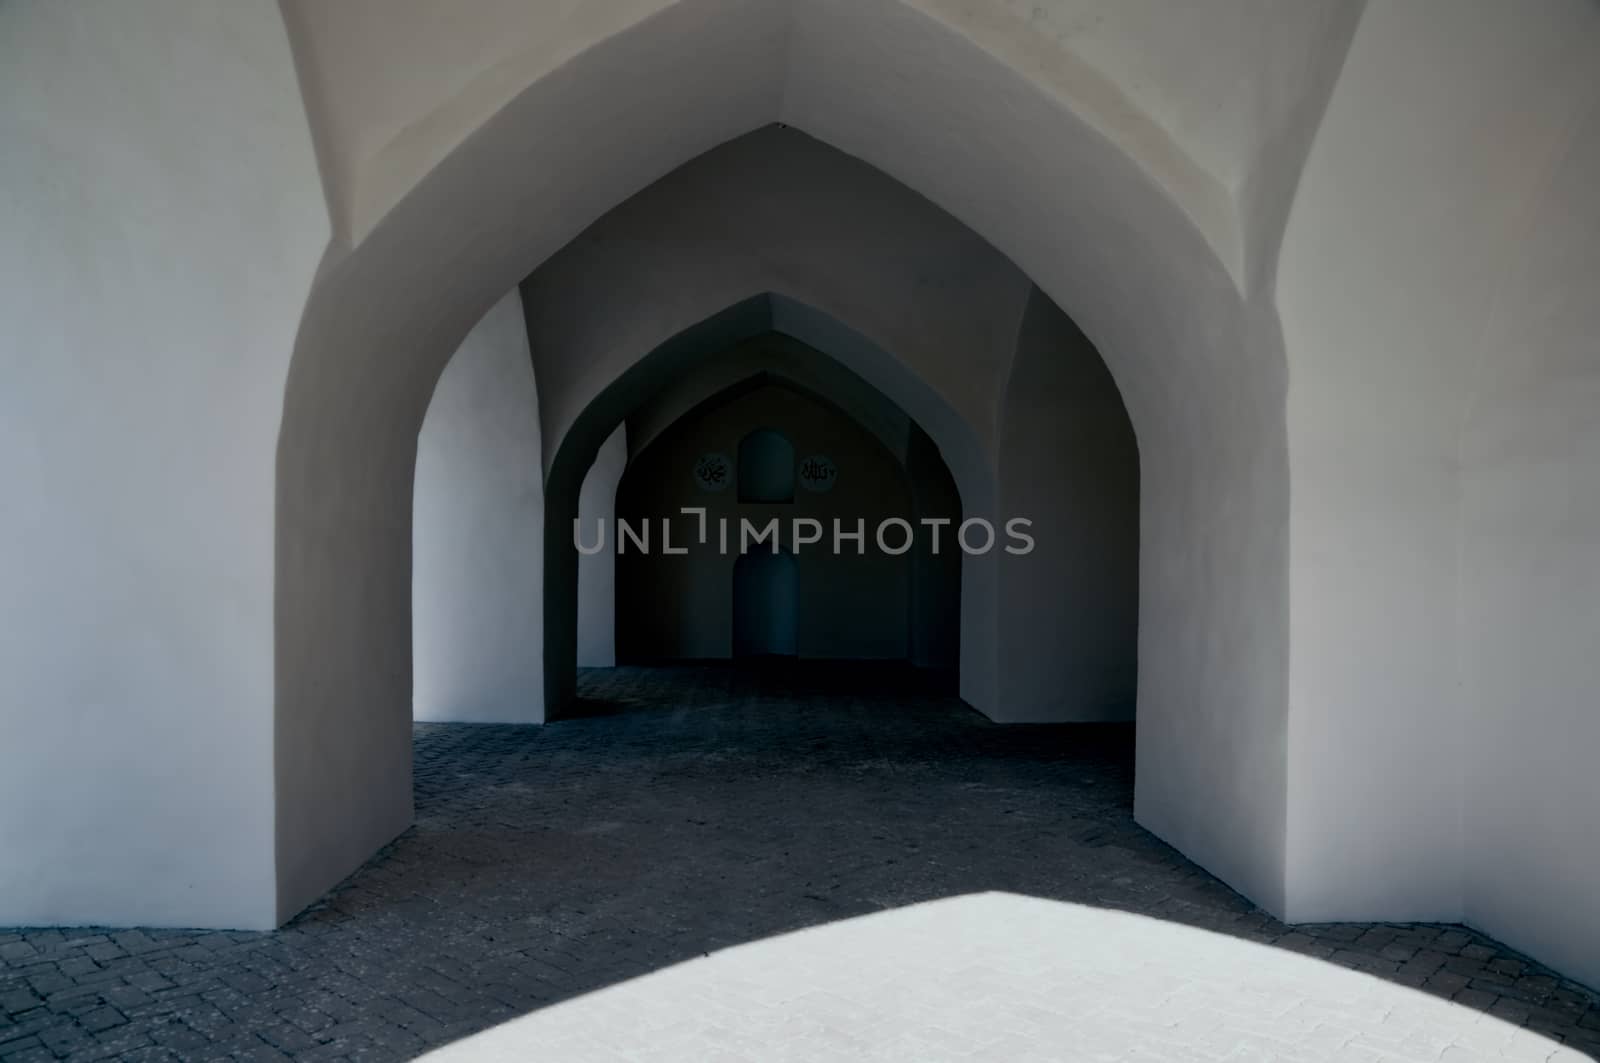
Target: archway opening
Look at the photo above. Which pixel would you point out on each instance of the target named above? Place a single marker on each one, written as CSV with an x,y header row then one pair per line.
x,y
871,587
944,360
915,615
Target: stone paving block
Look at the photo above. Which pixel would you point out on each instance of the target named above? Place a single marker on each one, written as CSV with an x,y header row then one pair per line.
x,y
64,1039
102,1018
33,1051
574,877
15,1000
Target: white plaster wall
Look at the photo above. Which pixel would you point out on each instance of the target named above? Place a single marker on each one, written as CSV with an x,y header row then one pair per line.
x,y
1530,566
163,219
1069,610
597,573
1414,204
776,211
788,360
1214,100
477,612
397,84
1204,97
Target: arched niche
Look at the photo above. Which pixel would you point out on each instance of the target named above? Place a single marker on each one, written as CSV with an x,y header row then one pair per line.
x,y
765,465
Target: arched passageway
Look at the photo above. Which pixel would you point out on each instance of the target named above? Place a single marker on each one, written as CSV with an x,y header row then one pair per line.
x,y
477,520
452,194
946,361
865,610
749,332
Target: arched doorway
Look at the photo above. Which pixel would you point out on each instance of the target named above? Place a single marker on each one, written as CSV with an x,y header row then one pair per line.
x,y
675,604
673,607
766,606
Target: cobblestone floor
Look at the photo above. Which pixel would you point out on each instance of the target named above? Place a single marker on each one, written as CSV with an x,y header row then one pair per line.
x,y
721,864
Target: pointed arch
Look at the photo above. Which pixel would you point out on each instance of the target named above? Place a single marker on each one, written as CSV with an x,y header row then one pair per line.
x,y
1041,194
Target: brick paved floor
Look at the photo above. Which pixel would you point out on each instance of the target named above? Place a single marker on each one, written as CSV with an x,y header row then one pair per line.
x,y
716,864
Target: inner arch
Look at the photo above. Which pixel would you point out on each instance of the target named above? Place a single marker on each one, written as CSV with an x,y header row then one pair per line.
x,y
677,357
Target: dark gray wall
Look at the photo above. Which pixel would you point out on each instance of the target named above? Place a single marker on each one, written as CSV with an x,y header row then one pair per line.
x,y
935,577
597,574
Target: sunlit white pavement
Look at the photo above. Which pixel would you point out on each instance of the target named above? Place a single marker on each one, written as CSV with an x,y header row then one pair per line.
x,y
1000,976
